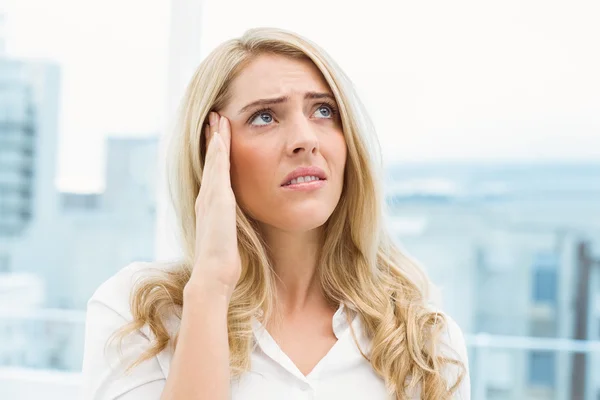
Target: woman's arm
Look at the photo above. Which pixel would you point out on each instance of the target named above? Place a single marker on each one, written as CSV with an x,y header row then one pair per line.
x,y
200,365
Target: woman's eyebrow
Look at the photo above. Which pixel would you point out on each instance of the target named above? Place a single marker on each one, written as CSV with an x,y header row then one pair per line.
x,y
319,95
264,102
283,99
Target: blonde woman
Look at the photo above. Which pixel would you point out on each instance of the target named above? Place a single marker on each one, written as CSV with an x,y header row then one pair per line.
x,y
290,287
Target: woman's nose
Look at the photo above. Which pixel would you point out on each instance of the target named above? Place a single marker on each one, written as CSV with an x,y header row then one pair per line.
x,y
303,137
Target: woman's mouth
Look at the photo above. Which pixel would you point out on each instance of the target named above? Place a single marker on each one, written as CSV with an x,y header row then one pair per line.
x,y
304,183
302,179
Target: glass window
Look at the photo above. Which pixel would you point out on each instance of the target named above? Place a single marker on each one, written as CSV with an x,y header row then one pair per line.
x,y
542,368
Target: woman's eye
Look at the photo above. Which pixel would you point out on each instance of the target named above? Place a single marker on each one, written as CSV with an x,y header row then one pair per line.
x,y
324,111
262,119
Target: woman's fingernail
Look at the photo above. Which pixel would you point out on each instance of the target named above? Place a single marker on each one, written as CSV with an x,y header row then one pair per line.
x,y
212,118
223,123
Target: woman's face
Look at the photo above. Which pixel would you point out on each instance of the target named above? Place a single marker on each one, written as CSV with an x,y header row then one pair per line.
x,y
284,125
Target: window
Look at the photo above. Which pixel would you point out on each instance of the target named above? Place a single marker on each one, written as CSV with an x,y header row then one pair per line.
x,y
544,289
545,276
541,368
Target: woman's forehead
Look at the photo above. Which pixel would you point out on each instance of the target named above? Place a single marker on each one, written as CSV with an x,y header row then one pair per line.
x,y
271,76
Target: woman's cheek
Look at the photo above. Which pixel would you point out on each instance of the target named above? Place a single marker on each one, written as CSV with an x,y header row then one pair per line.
x,y
252,161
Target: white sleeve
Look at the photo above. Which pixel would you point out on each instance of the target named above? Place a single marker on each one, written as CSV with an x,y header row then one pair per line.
x,y
457,349
104,376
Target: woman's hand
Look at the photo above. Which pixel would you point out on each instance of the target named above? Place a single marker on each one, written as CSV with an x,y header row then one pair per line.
x,y
217,259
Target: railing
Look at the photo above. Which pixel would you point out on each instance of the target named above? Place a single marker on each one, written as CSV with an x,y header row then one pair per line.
x,y
40,352
511,352
31,383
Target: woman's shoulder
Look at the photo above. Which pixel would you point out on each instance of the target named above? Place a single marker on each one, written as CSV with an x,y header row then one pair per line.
x,y
115,292
105,358
453,346
453,335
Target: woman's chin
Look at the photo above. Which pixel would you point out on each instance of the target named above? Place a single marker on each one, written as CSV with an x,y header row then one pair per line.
x,y
301,223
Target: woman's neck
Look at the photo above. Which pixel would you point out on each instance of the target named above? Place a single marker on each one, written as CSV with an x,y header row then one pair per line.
x,y
295,256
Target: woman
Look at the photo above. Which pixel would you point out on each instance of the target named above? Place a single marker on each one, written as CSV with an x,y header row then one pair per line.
x,y
290,287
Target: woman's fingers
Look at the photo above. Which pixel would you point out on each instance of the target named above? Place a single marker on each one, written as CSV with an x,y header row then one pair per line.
x,y
225,132
207,171
216,180
212,128
217,156
224,137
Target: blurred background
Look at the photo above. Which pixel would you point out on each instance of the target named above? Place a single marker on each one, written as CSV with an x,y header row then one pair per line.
x,y
488,114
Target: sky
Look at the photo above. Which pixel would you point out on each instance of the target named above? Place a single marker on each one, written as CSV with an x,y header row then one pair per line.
x,y
507,81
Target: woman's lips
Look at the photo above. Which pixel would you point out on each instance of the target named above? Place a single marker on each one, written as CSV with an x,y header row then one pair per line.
x,y
305,186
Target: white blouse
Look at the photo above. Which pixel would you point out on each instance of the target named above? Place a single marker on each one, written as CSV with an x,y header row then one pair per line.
x,y
343,373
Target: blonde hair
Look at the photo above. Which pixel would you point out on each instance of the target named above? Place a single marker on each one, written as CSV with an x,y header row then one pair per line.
x,y
360,266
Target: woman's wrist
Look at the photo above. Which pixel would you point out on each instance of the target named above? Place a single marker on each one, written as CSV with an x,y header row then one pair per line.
x,y
204,290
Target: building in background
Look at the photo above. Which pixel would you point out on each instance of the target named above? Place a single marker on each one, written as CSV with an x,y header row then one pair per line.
x,y
56,248
502,241
94,235
107,231
131,170
29,99
71,244
29,108
90,238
